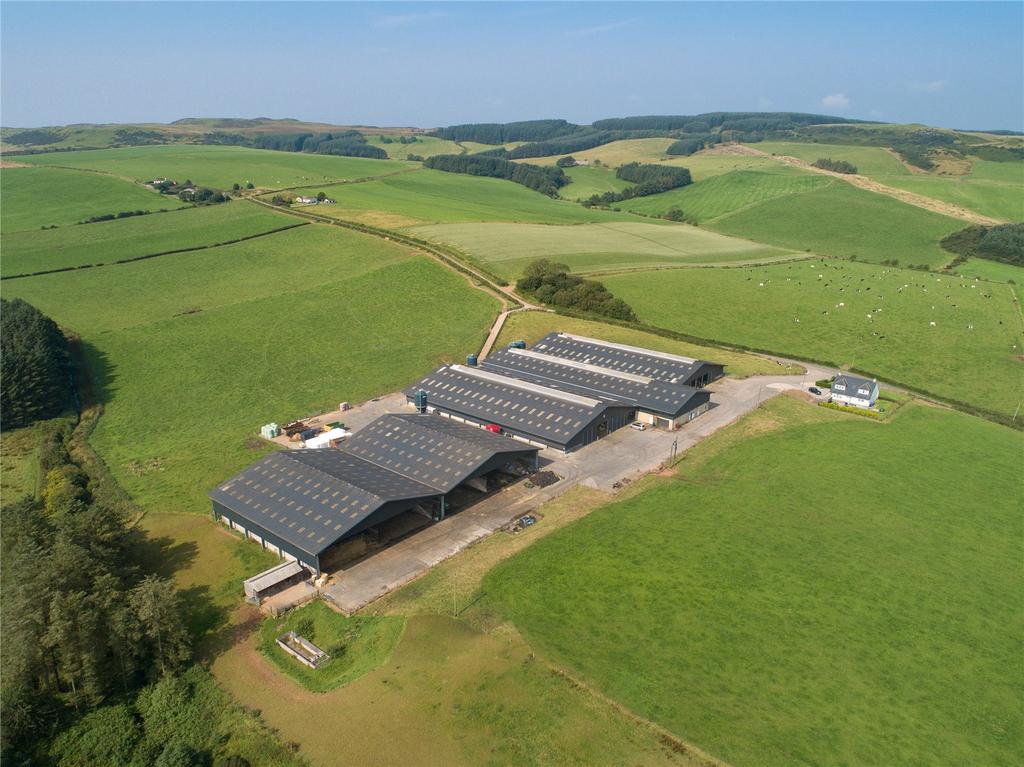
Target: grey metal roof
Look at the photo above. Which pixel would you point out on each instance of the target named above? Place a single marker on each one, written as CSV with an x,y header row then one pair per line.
x,y
550,414
430,449
312,498
609,385
627,359
853,384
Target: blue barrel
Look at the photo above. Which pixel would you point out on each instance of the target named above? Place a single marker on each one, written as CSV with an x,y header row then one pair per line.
x,y
421,401
471,360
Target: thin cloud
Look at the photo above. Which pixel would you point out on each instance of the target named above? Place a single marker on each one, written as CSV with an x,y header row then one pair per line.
x,y
836,101
933,86
397,20
600,28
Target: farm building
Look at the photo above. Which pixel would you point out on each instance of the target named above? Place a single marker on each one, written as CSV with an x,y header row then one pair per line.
x,y
568,391
851,390
302,503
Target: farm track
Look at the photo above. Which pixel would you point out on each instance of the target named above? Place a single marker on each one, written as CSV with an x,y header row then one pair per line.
x,y
870,185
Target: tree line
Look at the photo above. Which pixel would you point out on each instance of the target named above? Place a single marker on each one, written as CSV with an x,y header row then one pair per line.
x,y
552,284
35,366
346,144
1004,243
502,133
836,166
647,179
544,179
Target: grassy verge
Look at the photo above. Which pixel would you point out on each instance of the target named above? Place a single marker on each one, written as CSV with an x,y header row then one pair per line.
x,y
357,645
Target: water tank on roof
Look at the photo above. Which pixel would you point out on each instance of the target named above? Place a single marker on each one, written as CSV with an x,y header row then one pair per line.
x,y
421,401
518,344
471,360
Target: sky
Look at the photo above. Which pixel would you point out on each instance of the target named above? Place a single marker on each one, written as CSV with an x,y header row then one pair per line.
x,y
426,64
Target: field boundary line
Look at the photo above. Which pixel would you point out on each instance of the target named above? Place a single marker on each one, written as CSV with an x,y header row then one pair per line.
x,y
668,739
723,265
133,259
714,220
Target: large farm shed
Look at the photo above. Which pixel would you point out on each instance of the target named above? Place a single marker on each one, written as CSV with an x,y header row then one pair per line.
x,y
301,503
568,391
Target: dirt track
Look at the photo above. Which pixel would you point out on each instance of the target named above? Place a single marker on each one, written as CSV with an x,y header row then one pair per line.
x,y
870,185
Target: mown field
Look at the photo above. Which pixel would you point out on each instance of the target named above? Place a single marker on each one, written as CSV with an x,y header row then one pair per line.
x,y
424,146
873,319
842,221
707,164
721,195
777,607
109,241
532,326
192,353
221,166
508,248
31,198
433,196
587,181
991,270
870,160
616,153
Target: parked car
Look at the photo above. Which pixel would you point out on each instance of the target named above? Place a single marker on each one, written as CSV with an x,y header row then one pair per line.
x,y
493,427
815,390
638,425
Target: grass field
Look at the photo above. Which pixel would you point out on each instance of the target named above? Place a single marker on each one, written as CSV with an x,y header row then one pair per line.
x,y
507,248
871,161
971,354
866,616
194,352
728,193
616,153
840,220
433,196
993,189
221,166
109,241
589,180
991,270
532,326
31,198
705,165
426,146
357,645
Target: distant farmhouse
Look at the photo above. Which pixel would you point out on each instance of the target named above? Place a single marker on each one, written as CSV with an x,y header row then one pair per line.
x,y
851,390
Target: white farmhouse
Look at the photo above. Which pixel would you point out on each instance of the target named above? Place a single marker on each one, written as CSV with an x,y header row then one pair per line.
x,y
851,390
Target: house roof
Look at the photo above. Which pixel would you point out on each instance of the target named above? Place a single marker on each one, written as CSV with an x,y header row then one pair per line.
x,y
853,383
488,396
661,366
609,385
430,449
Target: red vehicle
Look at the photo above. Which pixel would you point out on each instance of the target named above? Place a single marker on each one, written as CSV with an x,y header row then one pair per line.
x,y
493,427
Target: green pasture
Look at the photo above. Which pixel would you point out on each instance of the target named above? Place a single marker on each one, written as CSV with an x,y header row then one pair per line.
x,y
357,645
998,197
221,166
31,198
532,326
586,181
842,221
193,353
433,196
870,160
705,165
105,242
616,153
971,353
991,270
508,248
425,146
728,193
781,602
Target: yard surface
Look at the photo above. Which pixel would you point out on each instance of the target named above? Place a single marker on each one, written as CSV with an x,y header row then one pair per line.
x,y
858,315
194,352
778,608
507,249
31,198
433,196
109,241
221,166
